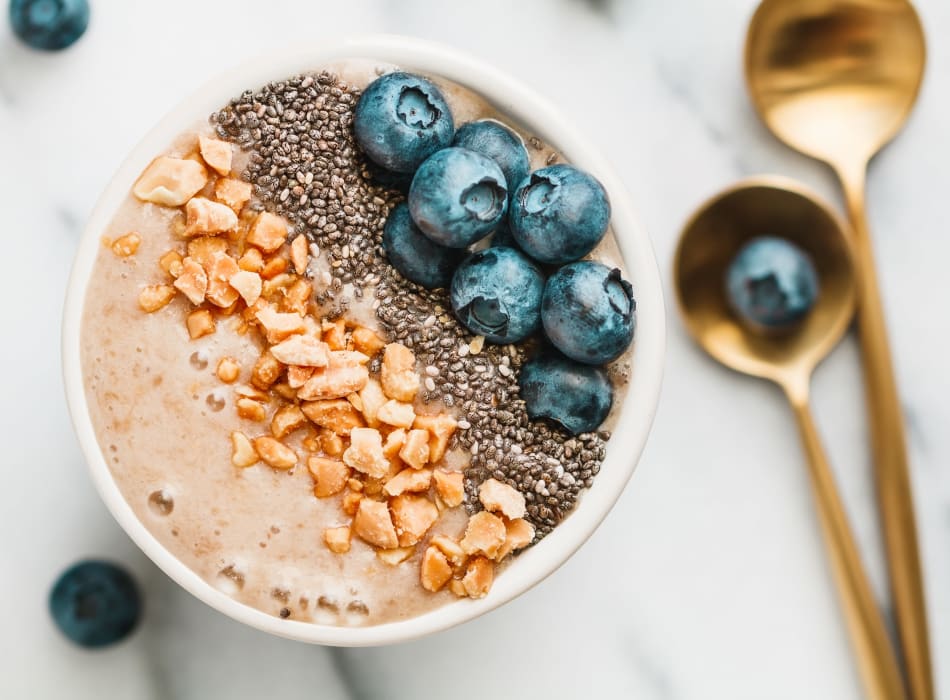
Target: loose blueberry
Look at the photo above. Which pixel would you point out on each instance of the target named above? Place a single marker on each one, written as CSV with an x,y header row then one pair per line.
x,y
400,120
49,25
458,197
771,283
95,603
559,214
588,312
578,397
497,293
415,256
496,141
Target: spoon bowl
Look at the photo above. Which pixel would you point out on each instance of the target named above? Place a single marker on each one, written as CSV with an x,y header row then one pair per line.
x,y
756,207
835,79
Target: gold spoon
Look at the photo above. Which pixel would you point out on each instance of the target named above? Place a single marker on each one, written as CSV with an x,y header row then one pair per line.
x,y
779,207
836,79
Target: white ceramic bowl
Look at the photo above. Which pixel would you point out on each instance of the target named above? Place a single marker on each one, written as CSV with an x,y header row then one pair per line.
x,y
537,116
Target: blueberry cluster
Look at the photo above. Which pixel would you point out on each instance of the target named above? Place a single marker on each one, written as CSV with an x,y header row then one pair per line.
x,y
469,184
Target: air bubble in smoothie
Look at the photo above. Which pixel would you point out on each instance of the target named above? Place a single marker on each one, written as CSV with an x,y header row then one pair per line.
x,y
199,359
215,400
161,502
230,579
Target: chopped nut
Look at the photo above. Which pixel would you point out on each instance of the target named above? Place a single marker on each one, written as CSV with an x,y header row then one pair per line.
x,y
286,420
412,516
415,452
155,296
249,392
498,497
411,480
337,415
450,548
365,453
234,193
192,281
248,285
298,376
251,261
366,341
372,398
397,373
303,351
347,358
200,323
300,254
276,287
204,248
331,442
479,575
250,410
356,401
126,245
351,503
354,484
441,427
216,153
220,271
170,181
243,453
337,539
373,524
485,534
204,217
394,442
277,325
228,370
297,297
478,342
171,263
334,382
397,556
267,370
435,571
519,535
334,334
329,476
275,453
273,268
450,486
268,233
284,391
458,588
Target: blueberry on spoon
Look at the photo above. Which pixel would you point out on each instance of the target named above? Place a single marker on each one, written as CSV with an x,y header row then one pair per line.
x,y
49,25
95,603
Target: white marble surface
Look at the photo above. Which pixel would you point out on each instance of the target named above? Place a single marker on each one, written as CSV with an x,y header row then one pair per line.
x,y
707,581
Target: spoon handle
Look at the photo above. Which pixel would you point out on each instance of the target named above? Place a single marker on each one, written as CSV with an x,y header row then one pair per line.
x,y
895,497
875,655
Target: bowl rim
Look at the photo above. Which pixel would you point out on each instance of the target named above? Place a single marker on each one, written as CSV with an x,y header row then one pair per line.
x,y
534,113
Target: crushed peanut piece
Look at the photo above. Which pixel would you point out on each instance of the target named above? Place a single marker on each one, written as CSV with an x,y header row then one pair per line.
x,y
412,480
441,427
397,556
329,476
171,263
415,452
485,534
337,415
248,285
373,524
298,376
351,503
479,575
458,588
334,382
277,325
234,193
331,442
337,539
519,535
450,548
155,296
204,248
126,245
366,341
286,420
498,497
334,334
302,351
216,153
252,260
435,571
204,217
297,297
450,486
170,181
372,398
268,233
228,370
267,370
200,323
300,254
220,271
394,442
273,268
275,453
365,453
243,453
397,414
249,409
397,373
412,516
192,281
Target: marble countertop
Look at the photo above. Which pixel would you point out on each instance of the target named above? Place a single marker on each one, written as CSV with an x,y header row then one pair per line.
x,y
708,580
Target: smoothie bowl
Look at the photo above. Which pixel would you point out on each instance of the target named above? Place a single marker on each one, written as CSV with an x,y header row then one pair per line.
x,y
362,342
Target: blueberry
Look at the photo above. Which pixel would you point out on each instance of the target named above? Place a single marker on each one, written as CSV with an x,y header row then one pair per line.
x,y
495,140
497,293
400,120
588,312
502,236
559,214
416,257
576,396
458,197
771,283
49,25
95,603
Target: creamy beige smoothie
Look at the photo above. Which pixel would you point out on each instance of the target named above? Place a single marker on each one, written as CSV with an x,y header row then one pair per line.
x,y
178,391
